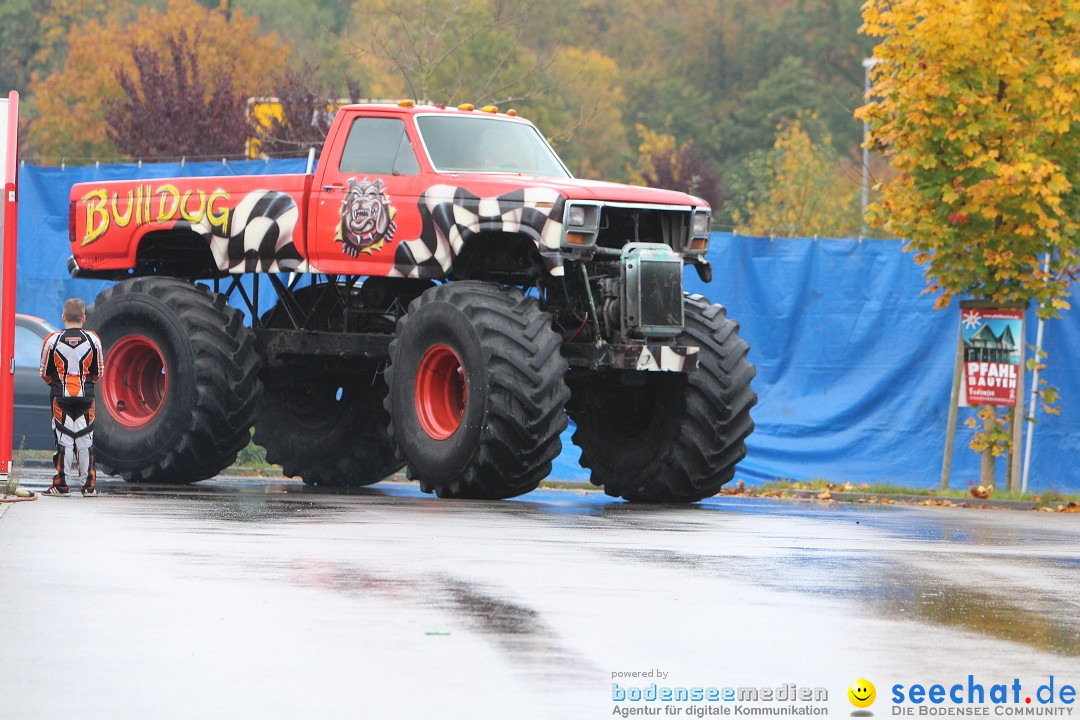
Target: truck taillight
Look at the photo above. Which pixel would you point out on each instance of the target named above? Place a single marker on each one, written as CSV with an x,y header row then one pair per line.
x,y
71,221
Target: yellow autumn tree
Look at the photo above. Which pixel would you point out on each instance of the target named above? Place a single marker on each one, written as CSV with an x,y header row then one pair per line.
x,y
806,191
72,101
977,106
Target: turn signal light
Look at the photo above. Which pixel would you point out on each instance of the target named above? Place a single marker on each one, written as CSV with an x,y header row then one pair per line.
x,y
576,238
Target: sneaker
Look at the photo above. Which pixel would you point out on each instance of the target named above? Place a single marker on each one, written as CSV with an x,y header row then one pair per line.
x,y
60,490
88,492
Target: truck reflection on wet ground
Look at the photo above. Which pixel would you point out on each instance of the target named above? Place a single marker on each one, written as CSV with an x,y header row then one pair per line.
x,y
905,583
516,629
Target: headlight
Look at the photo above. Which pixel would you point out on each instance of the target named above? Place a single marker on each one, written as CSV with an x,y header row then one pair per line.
x,y
581,224
698,241
701,223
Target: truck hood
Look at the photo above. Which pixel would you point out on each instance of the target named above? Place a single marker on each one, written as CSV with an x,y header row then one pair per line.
x,y
580,189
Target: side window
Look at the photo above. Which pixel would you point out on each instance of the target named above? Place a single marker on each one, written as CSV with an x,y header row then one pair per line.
x,y
378,146
27,347
405,163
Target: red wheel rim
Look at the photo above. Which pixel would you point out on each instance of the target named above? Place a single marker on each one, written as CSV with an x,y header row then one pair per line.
x,y
135,381
440,392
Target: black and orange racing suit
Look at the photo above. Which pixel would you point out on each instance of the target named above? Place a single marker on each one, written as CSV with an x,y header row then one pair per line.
x,y
72,362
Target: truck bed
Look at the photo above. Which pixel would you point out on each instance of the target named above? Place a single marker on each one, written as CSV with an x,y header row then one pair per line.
x,y
251,223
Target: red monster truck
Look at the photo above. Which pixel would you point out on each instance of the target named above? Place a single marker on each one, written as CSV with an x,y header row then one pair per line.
x,y
446,294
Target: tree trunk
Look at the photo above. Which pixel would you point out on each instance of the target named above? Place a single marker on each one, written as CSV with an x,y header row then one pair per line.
x,y
986,473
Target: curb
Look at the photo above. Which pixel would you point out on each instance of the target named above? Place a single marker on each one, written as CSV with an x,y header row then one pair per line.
x,y
36,464
25,498
839,496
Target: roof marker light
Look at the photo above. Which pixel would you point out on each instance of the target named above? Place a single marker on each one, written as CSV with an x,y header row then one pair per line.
x,y
466,107
489,109
406,103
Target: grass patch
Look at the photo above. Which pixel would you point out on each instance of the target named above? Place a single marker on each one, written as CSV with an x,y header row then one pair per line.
x,y
1043,497
563,485
252,456
10,487
46,455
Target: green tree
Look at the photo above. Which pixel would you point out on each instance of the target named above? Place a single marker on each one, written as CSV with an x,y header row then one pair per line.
x,y
21,44
316,31
473,51
787,93
34,40
486,52
582,113
977,106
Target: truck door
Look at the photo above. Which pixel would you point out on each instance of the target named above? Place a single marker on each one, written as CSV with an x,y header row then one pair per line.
x,y
367,201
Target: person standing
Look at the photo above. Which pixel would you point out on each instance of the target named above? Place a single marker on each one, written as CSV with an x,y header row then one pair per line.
x,y
71,363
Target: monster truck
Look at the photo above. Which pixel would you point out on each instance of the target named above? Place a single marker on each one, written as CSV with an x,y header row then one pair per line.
x,y
446,294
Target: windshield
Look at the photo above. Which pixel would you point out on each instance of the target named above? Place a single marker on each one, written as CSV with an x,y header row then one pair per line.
x,y
479,144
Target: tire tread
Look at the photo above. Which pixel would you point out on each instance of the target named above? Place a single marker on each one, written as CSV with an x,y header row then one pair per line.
x,y
227,380
528,393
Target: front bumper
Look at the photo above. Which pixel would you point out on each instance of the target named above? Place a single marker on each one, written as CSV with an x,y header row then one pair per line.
x,y
644,358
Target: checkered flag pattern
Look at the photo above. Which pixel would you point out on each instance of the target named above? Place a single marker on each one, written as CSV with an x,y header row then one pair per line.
x,y
451,215
259,237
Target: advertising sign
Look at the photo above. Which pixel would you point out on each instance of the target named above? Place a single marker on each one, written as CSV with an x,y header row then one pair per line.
x,y
992,341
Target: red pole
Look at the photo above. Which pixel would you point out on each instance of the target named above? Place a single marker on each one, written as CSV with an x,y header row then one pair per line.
x,y
10,175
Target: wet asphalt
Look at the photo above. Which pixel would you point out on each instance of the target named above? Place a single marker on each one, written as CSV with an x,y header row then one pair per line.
x,y
256,598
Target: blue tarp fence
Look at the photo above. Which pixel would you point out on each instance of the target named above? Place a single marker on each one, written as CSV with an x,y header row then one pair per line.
x,y
43,280
853,364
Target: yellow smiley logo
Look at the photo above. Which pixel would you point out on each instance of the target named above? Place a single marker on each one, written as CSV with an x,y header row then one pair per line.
x,y
862,693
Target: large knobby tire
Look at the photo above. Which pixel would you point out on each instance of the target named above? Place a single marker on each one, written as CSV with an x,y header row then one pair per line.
x,y
327,431
181,381
477,391
669,437
322,424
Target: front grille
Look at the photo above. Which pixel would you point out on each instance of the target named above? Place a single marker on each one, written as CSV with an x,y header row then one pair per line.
x,y
652,278
620,226
661,295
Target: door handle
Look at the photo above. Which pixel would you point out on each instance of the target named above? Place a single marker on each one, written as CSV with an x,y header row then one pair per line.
x,y
332,187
